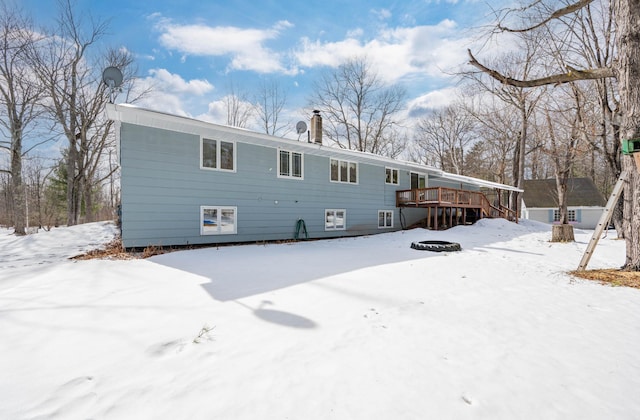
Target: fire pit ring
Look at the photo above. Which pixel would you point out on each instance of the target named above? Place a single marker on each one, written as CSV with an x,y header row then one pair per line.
x,y
436,246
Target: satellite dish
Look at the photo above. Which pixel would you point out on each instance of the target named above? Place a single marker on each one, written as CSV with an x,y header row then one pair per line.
x,y
112,77
301,127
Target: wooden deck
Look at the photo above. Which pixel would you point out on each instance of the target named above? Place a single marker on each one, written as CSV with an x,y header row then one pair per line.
x,y
447,207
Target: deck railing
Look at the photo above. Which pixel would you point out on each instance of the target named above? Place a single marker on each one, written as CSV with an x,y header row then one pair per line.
x,y
451,197
440,195
503,212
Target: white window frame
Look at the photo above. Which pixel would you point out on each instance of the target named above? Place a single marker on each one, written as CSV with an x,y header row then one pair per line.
x,y
335,226
349,171
290,158
385,213
388,175
218,149
218,223
571,215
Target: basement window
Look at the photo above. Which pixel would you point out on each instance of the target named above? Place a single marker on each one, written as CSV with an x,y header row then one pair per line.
x,y
385,219
218,220
335,219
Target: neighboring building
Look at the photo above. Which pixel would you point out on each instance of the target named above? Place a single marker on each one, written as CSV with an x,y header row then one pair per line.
x,y
585,203
189,182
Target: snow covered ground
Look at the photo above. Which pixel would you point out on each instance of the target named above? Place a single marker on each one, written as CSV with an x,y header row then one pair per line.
x,y
358,328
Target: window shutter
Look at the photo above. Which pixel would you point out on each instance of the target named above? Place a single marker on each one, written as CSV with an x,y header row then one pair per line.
x,y
550,215
578,215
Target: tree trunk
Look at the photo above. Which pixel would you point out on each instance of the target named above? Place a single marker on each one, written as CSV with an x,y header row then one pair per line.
x,y
89,212
617,218
627,14
17,186
72,218
562,233
561,187
631,212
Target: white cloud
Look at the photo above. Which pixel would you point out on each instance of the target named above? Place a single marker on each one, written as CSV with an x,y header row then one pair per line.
x,y
396,53
432,100
174,83
216,112
332,54
165,102
382,14
245,46
355,33
170,92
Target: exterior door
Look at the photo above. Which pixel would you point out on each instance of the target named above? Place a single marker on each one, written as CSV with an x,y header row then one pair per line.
x,y
418,181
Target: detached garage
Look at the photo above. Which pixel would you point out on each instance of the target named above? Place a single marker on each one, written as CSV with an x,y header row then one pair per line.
x,y
585,203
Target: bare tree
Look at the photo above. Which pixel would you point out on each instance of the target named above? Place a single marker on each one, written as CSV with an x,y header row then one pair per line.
x,y
565,132
76,99
239,108
6,199
269,104
445,135
359,110
496,129
594,31
98,145
522,102
626,69
61,63
20,96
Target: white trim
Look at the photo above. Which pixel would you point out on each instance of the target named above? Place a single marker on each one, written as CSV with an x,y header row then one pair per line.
x,y
335,213
291,152
389,168
480,182
348,162
218,221
218,153
556,215
385,219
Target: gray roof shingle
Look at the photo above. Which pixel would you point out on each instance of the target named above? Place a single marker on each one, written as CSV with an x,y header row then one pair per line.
x,y
543,193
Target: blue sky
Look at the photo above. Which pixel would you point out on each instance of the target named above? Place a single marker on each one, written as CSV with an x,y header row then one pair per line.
x,y
192,51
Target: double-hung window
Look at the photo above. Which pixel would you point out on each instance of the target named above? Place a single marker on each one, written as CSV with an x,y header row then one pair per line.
x,y
344,171
218,220
385,219
391,176
335,219
217,155
290,164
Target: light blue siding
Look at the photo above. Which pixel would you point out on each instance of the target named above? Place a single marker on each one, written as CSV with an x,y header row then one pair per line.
x,y
163,189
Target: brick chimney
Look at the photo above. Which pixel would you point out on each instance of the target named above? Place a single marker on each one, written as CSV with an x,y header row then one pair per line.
x,y
316,128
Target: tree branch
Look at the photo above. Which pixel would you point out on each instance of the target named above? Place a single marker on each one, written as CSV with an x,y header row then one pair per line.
x,y
571,75
555,15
